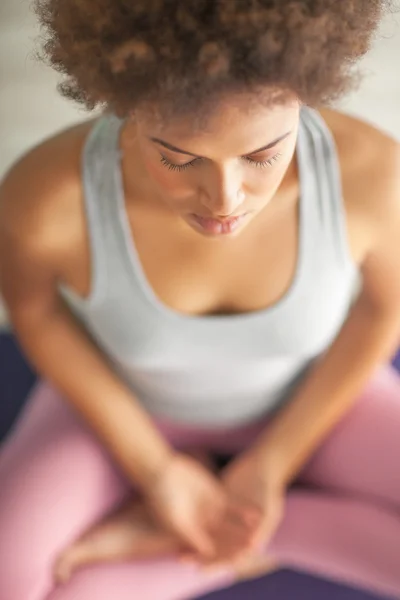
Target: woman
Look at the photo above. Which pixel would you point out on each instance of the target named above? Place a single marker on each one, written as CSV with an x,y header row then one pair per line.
x,y
208,270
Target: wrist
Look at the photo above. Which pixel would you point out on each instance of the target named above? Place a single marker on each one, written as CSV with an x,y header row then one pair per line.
x,y
144,469
154,470
271,466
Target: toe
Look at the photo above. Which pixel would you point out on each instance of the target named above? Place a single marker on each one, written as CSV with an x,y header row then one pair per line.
x,y
62,569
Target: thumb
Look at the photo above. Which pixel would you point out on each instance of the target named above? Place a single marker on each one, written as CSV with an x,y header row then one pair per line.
x,y
199,539
272,514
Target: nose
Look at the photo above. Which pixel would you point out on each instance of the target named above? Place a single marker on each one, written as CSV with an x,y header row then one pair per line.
x,y
223,195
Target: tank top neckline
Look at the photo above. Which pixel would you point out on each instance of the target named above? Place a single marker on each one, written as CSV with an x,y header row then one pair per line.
x,y
136,270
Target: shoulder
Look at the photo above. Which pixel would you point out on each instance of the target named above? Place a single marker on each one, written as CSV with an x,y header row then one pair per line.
x,y
41,204
369,160
370,168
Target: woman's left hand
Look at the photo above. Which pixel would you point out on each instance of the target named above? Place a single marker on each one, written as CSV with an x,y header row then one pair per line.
x,y
248,479
248,482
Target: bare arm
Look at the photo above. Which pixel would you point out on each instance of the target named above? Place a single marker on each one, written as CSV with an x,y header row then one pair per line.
x,y
30,255
368,337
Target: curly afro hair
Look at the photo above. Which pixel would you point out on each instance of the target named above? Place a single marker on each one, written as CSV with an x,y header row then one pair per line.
x,y
182,55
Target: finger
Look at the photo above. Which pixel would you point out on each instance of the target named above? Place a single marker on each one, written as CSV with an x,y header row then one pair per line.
x,y
229,545
76,557
199,540
248,517
231,536
252,516
214,513
263,534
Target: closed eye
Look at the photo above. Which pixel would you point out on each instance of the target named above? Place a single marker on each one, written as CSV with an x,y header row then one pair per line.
x,y
260,164
174,167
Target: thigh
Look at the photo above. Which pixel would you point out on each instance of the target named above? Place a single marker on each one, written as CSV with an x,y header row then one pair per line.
x,y
341,538
361,455
55,481
344,539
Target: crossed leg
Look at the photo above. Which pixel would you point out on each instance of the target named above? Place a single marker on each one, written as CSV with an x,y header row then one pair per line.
x,y
57,481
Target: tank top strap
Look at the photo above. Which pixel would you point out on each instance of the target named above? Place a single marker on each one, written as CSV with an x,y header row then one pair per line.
x,y
324,204
100,180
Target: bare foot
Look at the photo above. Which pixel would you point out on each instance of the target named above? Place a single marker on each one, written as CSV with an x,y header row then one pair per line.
x,y
129,533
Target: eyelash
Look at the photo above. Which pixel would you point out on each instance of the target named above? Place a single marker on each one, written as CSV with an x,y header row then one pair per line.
x,y
259,164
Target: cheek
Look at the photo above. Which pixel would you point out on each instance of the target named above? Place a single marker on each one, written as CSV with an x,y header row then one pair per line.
x,y
264,183
172,184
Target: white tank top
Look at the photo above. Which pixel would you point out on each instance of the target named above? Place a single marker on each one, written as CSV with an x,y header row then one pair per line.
x,y
215,371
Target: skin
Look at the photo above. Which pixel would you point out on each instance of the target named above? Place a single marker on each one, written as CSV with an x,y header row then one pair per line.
x,y
43,241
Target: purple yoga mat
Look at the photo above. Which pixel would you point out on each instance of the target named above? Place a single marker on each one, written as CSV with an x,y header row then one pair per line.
x,y
396,361
289,585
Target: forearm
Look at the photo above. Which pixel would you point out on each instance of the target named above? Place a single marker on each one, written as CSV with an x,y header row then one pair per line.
x,y
62,353
368,337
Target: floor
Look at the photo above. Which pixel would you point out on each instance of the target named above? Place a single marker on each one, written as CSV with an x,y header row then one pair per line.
x,y
31,109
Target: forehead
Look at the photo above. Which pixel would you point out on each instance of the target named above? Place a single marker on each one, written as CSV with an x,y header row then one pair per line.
x,y
230,126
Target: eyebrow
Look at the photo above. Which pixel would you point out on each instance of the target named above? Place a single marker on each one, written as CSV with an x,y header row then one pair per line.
x,y
180,151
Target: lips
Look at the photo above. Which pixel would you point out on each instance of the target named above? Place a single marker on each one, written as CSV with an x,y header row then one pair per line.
x,y
217,226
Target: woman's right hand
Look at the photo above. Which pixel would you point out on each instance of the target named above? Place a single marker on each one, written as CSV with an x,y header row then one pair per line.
x,y
191,502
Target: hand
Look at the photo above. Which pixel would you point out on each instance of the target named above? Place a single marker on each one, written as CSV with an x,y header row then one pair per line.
x,y
192,503
249,485
247,479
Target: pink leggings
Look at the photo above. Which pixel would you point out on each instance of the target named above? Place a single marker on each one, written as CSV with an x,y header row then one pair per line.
x,y
56,480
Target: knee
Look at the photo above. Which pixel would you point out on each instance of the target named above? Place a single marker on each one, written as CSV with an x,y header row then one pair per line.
x,y
33,530
55,481
42,510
